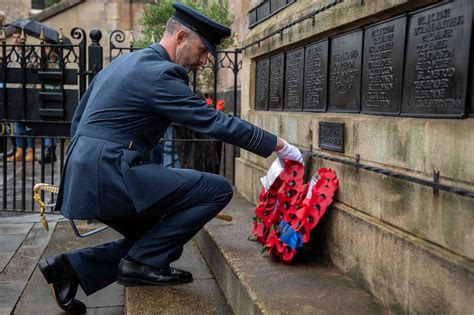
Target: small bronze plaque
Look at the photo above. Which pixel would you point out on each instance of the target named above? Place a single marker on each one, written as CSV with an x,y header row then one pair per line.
x,y
261,84
331,136
436,71
263,10
315,77
276,5
382,74
345,71
294,79
277,69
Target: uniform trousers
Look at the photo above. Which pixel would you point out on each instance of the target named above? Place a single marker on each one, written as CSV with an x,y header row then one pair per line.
x,y
156,236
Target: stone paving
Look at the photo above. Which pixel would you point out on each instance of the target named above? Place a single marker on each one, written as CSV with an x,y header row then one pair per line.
x,y
36,297
22,242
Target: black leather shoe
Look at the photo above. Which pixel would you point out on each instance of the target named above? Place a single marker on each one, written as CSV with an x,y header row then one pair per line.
x,y
132,273
63,283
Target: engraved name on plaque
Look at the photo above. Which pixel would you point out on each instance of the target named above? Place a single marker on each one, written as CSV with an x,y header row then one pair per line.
x,y
275,86
294,79
261,84
382,74
345,71
436,71
315,77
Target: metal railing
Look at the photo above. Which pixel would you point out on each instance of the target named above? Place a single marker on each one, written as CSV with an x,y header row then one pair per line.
x,y
26,97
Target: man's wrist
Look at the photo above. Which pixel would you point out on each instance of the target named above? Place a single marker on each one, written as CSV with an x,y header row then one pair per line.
x,y
280,144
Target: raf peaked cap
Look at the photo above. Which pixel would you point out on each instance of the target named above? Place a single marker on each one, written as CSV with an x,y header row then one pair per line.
x,y
208,30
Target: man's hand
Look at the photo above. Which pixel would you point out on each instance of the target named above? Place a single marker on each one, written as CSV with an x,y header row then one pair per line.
x,y
286,151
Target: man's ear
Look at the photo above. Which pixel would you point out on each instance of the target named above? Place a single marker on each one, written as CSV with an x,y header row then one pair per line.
x,y
181,36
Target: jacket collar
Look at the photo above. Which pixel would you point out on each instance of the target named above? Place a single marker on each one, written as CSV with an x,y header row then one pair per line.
x,y
161,50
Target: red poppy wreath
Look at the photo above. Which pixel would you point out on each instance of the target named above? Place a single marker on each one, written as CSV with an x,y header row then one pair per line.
x,y
289,209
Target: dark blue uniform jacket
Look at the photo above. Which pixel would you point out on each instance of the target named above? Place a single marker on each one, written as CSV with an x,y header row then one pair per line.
x,y
108,174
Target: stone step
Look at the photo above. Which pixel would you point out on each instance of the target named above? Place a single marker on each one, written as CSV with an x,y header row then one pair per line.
x,y
202,296
254,283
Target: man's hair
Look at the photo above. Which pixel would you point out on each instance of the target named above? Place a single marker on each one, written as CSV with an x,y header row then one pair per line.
x,y
17,31
173,26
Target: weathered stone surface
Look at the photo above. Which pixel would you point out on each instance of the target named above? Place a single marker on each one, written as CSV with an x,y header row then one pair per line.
x,y
255,284
19,258
201,296
408,274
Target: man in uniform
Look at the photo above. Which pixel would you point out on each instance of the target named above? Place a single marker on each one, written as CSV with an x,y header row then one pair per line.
x,y
108,175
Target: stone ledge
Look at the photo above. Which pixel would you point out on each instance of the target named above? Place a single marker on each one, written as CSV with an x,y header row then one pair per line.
x,y
255,284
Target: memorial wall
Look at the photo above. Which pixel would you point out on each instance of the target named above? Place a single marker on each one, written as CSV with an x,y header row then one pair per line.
x,y
387,84
411,65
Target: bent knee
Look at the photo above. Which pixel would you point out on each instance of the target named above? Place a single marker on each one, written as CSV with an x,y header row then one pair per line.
x,y
225,188
222,187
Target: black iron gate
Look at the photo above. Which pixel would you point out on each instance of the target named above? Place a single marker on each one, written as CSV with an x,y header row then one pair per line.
x,y
40,87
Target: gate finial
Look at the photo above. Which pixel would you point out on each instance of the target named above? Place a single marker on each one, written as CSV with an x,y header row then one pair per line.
x,y
23,36
132,40
41,37
61,35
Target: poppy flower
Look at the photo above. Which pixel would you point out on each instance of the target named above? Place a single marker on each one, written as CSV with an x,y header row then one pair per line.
x,y
288,254
220,105
209,101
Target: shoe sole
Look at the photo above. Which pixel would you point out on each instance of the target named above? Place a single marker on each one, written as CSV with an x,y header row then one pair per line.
x,y
136,282
47,272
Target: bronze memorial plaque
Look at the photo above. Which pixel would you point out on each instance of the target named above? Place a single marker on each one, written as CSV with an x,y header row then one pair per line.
x,y
294,79
331,136
275,87
436,67
345,71
382,70
315,76
261,84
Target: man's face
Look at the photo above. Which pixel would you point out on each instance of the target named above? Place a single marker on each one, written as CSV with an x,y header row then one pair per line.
x,y
191,52
16,39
